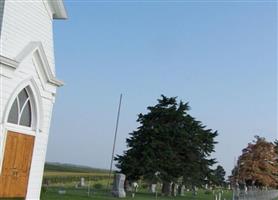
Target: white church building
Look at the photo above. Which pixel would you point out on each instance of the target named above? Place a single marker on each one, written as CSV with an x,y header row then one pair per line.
x,y
28,87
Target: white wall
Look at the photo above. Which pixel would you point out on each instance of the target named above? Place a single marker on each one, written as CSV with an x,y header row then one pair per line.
x,y
24,22
10,80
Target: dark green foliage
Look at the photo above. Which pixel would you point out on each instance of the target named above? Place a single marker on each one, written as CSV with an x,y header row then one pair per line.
x,y
43,189
98,186
219,176
208,192
171,142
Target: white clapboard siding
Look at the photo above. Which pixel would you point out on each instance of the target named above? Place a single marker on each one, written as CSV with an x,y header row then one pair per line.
x,y
26,21
36,173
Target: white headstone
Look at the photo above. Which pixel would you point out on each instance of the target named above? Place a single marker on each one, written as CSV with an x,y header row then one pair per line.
x,y
174,189
118,186
182,188
135,187
61,191
153,188
82,182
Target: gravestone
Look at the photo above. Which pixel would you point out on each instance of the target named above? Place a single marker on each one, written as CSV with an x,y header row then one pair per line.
x,y
181,190
153,188
118,186
174,188
166,188
82,182
128,186
195,191
61,191
135,187
218,196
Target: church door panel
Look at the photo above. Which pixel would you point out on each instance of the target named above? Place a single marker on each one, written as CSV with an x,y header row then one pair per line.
x,y
16,165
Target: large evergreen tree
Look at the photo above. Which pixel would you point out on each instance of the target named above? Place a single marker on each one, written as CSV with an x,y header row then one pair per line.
x,y
171,142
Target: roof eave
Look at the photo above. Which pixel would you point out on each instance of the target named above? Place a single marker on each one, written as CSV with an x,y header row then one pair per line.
x,y
58,8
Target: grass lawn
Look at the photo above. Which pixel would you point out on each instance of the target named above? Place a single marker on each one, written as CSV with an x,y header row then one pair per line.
x,y
80,194
67,177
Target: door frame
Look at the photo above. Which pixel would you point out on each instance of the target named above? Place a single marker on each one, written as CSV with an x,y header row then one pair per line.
x,y
36,113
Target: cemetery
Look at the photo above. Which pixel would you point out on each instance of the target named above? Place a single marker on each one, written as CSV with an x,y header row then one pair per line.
x,y
62,185
164,176
95,188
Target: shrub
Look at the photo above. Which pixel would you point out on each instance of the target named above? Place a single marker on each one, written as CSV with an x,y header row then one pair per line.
x,y
98,186
43,189
208,192
145,186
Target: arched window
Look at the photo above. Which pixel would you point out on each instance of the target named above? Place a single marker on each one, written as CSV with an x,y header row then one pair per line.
x,y
20,112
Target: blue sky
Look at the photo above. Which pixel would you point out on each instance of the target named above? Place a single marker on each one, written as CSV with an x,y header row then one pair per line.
x,y
221,57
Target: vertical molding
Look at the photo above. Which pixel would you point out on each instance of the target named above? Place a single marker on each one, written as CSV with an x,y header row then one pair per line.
x,y
2,6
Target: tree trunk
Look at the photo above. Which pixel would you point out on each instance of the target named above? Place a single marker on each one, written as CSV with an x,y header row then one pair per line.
x,y
166,189
174,190
194,190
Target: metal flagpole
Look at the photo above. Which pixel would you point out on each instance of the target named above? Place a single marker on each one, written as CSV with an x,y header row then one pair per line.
x,y
115,139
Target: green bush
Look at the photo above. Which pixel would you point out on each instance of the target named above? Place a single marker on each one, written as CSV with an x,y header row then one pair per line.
x,y
208,192
98,186
145,186
43,189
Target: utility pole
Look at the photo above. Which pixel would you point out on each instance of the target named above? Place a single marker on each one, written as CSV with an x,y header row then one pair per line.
x,y
115,139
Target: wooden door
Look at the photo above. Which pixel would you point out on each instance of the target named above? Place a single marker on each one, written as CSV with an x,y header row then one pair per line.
x,y
16,165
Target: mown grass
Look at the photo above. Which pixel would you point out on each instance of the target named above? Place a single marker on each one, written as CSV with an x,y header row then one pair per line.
x,y
67,176
81,194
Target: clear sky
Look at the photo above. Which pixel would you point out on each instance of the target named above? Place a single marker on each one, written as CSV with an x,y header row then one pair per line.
x,y
221,57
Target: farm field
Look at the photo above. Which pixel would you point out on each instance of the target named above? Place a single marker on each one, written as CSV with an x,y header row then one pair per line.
x,y
73,174
66,175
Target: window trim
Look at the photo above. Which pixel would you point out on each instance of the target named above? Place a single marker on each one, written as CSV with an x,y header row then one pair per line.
x,y
21,129
20,110
37,121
